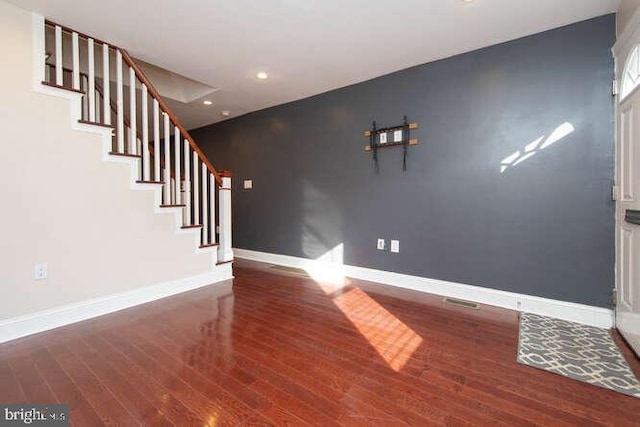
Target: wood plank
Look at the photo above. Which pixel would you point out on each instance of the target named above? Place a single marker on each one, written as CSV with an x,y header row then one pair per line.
x,y
65,390
165,401
35,387
99,397
159,366
10,389
129,397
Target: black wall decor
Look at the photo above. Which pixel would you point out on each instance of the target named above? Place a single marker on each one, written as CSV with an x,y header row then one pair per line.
x,y
391,136
543,226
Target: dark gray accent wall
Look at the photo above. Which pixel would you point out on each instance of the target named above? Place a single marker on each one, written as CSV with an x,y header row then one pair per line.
x,y
543,227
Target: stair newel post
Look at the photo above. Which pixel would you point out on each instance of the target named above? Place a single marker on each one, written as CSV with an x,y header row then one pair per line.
x,y
75,52
196,189
92,80
167,163
156,140
205,206
59,79
119,102
225,251
146,156
177,146
187,183
106,87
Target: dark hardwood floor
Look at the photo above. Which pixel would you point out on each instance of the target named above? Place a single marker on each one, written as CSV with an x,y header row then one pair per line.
x,y
278,348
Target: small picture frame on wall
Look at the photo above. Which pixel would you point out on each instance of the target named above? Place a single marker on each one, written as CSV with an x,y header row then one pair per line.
x,y
383,138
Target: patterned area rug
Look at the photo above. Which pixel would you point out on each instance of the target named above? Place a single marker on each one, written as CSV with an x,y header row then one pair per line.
x,y
584,353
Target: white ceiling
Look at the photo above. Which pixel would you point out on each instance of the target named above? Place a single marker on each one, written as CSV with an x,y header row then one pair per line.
x,y
306,46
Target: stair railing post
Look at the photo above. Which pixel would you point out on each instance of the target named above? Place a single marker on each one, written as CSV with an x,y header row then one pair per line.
x,y
225,251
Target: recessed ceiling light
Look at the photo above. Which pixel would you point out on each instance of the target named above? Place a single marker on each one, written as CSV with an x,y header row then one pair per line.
x,y
207,102
262,75
225,113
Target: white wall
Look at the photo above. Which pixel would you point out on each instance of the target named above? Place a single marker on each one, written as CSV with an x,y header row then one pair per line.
x,y
63,205
625,11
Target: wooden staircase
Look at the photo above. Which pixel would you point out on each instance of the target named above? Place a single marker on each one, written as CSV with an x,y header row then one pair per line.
x,y
117,95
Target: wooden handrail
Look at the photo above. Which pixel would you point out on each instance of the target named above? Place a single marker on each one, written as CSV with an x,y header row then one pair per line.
x,y
83,35
154,94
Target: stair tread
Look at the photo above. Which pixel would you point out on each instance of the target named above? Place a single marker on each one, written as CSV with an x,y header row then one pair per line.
x,y
209,245
149,182
192,226
173,206
113,153
62,87
88,122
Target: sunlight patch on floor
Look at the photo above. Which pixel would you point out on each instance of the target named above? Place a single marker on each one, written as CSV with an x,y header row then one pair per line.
x,y
392,339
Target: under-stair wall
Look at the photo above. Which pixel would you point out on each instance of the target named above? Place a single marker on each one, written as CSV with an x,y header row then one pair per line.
x,y
105,242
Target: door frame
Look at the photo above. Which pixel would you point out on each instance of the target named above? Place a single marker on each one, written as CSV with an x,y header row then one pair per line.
x,y
625,44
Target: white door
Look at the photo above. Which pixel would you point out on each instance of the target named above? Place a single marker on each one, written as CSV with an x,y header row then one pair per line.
x,y
627,232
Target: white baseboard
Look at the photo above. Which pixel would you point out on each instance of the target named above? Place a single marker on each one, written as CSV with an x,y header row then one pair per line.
x,y
589,315
29,324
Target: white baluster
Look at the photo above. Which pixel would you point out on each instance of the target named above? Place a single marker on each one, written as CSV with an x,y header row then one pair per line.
x,y
59,80
133,138
212,206
187,183
92,81
156,141
196,189
146,156
167,162
96,96
205,205
106,87
85,98
76,60
177,146
225,251
119,102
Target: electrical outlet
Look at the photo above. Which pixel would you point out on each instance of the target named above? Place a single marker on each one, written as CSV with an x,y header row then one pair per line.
x,y
248,184
381,244
40,272
395,246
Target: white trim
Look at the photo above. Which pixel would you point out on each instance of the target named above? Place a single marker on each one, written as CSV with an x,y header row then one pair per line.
x,y
37,22
18,327
590,315
629,37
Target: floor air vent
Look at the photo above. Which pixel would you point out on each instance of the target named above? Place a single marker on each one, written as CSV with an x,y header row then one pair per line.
x,y
290,269
462,303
